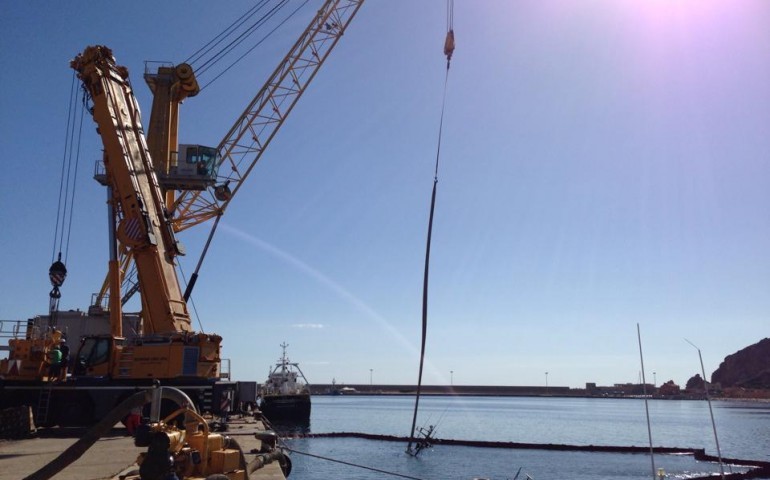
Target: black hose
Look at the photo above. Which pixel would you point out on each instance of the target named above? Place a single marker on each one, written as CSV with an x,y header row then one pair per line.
x,y
77,449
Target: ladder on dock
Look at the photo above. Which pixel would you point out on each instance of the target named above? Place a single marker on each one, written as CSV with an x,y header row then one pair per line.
x,y
43,405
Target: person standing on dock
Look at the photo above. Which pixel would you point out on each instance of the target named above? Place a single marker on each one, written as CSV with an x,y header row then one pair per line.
x,y
65,359
54,363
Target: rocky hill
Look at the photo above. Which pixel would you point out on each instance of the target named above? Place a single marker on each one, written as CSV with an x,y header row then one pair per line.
x,y
747,368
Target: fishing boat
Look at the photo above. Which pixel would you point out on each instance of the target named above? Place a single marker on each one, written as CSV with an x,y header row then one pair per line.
x,y
286,393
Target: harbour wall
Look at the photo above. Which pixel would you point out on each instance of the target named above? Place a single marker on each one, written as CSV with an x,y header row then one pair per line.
x,y
475,390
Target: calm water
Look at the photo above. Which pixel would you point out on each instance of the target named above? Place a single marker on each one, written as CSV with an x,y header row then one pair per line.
x,y
744,432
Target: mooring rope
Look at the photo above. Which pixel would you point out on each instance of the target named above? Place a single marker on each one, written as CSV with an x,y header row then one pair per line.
x,y
372,469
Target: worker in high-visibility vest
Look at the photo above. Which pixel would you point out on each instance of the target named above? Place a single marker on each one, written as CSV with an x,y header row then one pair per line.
x,y
54,363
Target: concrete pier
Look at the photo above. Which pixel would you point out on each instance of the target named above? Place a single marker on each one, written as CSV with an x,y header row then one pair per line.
x,y
113,455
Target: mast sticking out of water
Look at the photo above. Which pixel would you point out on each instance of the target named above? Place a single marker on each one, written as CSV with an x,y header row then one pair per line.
x,y
711,412
646,406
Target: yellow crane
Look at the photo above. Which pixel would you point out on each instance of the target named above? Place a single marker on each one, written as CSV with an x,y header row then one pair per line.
x,y
153,193
196,195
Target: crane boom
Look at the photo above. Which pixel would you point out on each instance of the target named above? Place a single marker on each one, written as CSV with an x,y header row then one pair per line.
x,y
144,226
200,198
252,132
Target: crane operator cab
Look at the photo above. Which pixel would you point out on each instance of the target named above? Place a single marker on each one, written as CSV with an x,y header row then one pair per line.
x,y
195,168
93,357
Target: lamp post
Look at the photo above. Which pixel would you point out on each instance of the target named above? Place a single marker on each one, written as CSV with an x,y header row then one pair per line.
x,y
546,382
371,372
451,377
654,380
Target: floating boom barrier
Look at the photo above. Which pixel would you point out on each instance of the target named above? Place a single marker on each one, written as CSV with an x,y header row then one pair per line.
x,y
759,469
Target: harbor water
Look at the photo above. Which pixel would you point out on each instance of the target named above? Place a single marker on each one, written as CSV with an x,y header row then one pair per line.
x,y
743,430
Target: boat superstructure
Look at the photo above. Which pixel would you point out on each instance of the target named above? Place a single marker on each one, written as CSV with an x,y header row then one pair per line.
x,y
286,393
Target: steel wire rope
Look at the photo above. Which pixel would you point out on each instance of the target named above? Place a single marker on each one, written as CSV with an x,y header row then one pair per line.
x,y
60,217
350,464
450,18
74,184
235,172
237,60
224,33
282,443
240,38
448,50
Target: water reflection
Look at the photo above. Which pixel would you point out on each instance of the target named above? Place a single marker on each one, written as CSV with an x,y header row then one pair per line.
x,y
291,428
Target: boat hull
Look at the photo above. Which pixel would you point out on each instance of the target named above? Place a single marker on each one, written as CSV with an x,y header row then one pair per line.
x,y
286,407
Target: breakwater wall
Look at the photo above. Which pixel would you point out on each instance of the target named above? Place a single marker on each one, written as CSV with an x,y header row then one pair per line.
x,y
476,390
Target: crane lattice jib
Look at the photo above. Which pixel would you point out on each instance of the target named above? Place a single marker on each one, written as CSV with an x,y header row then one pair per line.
x,y
143,226
244,144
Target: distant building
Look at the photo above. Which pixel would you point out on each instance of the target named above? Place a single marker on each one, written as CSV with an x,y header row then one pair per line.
x,y
669,389
620,390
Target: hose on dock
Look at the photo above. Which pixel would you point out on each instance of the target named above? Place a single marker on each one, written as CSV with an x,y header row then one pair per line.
x,y
77,449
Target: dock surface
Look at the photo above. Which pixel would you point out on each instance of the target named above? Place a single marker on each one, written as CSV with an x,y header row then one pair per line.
x,y
112,455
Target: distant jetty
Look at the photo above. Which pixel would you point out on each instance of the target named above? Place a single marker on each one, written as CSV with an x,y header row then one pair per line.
x,y
476,390
628,390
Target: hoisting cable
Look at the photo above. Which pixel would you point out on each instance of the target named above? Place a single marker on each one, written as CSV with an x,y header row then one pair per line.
x,y
57,273
74,183
216,57
237,60
224,33
449,46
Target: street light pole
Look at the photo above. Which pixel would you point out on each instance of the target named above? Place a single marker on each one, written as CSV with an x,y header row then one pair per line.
x,y
451,377
546,382
654,380
371,371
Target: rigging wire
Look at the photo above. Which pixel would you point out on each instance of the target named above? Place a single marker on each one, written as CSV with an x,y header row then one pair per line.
x,y
449,46
65,207
262,40
285,446
74,190
215,58
224,33
57,240
450,17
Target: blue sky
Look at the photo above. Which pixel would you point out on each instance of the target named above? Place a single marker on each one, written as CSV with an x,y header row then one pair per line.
x,y
604,164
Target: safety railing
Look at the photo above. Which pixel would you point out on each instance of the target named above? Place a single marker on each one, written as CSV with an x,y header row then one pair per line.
x,y
224,369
